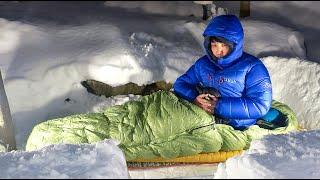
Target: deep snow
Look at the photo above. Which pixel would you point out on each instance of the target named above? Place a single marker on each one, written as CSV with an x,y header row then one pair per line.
x,y
44,57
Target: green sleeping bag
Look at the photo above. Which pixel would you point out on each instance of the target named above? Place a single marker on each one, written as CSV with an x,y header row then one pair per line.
x,y
157,125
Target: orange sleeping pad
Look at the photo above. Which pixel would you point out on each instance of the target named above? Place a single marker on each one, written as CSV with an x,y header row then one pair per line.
x,y
214,157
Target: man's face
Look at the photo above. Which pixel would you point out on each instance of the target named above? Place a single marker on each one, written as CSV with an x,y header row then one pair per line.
x,y
219,49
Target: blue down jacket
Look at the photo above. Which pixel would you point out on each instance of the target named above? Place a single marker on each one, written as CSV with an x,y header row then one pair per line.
x,y
242,79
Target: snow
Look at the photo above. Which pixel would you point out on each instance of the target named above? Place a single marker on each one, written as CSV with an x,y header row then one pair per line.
x,y
292,156
296,83
66,161
302,16
177,8
44,57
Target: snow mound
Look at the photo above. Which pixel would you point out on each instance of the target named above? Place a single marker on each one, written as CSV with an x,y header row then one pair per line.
x,y
264,38
292,156
296,82
65,161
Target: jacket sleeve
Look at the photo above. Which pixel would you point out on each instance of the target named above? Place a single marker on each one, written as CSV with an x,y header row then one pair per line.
x,y
256,100
185,85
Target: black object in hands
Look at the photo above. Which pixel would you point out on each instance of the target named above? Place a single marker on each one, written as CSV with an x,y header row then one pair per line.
x,y
208,90
216,93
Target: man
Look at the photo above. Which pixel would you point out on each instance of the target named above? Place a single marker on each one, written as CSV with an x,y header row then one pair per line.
x,y
241,79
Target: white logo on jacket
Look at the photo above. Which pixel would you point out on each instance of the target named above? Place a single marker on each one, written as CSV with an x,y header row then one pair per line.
x,y
224,79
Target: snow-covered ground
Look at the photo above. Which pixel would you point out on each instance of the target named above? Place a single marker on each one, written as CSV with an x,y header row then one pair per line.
x,y
45,56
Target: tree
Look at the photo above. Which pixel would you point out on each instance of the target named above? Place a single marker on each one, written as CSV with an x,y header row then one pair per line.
x,y
244,9
7,139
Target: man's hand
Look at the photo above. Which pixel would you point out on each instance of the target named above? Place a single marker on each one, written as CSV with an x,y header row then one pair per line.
x,y
207,102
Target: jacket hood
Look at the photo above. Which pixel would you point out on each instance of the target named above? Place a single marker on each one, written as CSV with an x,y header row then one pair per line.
x,y
230,28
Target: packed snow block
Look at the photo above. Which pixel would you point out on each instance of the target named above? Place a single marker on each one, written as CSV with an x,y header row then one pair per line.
x,y
156,125
292,156
102,160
